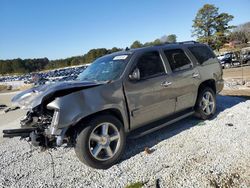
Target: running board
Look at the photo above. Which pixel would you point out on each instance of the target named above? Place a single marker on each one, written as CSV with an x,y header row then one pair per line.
x,y
144,130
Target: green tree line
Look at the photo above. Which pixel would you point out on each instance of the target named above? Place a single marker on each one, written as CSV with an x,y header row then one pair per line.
x,y
34,65
21,66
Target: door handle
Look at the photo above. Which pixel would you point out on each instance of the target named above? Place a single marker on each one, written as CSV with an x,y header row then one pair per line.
x,y
166,84
195,75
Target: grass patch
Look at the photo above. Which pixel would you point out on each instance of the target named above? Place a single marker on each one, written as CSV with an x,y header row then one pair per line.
x,y
135,185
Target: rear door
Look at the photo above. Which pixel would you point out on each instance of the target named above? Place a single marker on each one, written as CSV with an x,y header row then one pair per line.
x,y
148,98
184,76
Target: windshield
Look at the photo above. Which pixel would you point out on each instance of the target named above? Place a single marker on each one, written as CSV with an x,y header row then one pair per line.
x,y
104,69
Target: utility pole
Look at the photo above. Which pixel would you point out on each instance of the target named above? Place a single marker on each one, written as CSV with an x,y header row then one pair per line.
x,y
241,72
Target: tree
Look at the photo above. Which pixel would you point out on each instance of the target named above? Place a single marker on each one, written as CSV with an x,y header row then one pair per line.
x,y
75,61
136,44
168,38
147,44
241,33
204,23
115,49
210,27
222,29
157,42
171,38
239,36
245,28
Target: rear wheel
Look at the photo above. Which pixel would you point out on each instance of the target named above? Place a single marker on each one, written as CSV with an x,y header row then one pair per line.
x,y
206,103
101,144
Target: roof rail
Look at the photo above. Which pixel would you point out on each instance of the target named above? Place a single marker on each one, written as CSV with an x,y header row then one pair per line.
x,y
184,42
188,42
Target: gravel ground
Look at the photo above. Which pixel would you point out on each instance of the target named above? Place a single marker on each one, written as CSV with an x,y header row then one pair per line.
x,y
190,153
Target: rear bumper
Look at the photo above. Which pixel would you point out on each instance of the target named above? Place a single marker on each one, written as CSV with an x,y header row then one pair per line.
x,y
219,85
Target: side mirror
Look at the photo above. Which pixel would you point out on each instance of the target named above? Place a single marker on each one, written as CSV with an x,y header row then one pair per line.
x,y
135,75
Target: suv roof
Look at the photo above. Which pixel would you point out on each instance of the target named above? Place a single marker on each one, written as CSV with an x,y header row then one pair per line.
x,y
156,47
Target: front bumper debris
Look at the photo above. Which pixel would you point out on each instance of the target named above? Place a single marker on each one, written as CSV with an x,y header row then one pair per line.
x,y
36,136
22,132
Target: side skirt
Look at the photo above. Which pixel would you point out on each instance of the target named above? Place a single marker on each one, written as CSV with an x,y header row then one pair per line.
x,y
149,128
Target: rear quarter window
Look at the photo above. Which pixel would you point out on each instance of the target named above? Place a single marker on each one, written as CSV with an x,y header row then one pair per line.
x,y
201,53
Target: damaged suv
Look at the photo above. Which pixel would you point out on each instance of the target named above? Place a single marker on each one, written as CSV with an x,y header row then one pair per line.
x,y
132,92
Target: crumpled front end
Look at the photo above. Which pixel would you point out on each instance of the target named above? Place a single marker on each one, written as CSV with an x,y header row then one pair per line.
x,y
40,127
41,123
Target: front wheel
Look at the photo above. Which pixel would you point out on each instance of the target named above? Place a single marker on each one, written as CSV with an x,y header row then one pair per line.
x,y
206,103
101,144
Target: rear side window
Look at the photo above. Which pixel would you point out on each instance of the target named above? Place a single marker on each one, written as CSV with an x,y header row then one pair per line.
x,y
201,53
150,64
177,59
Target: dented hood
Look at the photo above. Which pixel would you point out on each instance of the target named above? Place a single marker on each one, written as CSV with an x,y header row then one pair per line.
x,y
33,97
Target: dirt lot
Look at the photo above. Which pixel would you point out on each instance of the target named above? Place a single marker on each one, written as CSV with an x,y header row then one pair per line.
x,y
234,75
10,119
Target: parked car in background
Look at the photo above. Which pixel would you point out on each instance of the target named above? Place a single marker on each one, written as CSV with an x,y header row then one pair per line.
x,y
229,60
246,59
245,55
127,93
40,78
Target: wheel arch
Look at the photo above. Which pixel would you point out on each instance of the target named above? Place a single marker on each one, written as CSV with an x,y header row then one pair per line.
x,y
207,83
79,125
210,85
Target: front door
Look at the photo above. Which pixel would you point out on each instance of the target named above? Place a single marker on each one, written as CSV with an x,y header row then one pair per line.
x,y
149,98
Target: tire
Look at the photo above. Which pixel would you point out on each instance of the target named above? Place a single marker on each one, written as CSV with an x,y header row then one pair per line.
x,y
248,62
227,66
98,146
205,107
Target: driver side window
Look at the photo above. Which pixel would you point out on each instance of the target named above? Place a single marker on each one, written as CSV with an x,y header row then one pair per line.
x,y
150,65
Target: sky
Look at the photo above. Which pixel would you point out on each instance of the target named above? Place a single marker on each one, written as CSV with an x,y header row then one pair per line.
x,y
61,28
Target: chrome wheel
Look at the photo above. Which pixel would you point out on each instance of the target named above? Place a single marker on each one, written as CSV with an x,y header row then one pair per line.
x,y
104,141
207,103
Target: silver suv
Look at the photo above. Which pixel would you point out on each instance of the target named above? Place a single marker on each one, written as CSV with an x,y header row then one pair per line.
x,y
130,92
